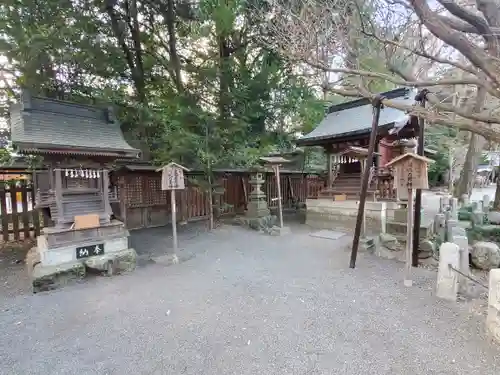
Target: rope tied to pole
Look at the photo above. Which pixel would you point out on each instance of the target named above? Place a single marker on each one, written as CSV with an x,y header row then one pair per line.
x,y
467,276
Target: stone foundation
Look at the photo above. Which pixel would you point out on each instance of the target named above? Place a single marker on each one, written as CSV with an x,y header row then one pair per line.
x,y
329,214
55,259
399,230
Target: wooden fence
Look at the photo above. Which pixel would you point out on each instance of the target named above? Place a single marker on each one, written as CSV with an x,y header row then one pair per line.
x,y
142,203
19,221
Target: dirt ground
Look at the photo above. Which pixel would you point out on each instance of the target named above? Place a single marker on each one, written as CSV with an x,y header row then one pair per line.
x,y
13,275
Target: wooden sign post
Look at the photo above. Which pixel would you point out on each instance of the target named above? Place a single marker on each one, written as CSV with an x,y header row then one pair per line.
x,y
172,178
410,172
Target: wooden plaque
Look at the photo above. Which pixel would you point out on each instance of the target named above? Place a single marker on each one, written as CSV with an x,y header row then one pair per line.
x,y
87,221
172,178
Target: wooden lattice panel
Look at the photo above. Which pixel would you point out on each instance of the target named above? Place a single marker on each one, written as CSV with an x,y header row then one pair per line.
x,y
155,196
135,191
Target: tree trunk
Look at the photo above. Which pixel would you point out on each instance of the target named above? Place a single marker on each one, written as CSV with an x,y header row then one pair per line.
x,y
496,202
476,144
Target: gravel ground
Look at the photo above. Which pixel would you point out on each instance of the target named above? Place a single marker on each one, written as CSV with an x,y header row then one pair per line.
x,y
247,304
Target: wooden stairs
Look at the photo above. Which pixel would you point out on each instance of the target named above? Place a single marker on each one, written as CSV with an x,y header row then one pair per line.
x,y
350,186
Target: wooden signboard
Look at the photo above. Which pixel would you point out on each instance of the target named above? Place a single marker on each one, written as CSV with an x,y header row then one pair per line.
x,y
410,172
172,178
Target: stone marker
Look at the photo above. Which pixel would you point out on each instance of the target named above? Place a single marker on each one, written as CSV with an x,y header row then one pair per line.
x,y
454,208
440,227
450,225
486,202
493,318
447,279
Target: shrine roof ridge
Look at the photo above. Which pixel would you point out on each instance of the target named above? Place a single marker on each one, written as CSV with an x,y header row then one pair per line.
x,y
391,94
41,125
354,118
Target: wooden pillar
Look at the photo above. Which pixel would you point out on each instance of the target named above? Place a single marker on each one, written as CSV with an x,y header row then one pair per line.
x,y
59,196
105,191
51,177
329,168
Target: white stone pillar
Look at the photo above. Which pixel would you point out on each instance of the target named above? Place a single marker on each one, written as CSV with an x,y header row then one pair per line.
x,y
493,318
447,279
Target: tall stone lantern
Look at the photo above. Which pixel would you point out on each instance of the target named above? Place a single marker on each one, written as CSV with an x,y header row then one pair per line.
x,y
257,202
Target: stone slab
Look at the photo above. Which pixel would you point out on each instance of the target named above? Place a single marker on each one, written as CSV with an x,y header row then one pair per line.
x,y
328,234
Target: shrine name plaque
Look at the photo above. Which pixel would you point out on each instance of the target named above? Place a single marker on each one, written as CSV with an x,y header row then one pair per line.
x,y
89,251
172,178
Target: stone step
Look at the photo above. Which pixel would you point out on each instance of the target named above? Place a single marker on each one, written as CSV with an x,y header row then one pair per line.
x,y
399,230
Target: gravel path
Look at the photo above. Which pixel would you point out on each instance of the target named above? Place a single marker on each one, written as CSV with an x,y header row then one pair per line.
x,y
248,304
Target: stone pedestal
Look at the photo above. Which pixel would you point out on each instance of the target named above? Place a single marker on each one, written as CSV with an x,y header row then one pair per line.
x,y
399,224
66,253
341,215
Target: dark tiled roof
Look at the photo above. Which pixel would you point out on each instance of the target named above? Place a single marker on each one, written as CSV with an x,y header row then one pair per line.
x,y
355,117
47,126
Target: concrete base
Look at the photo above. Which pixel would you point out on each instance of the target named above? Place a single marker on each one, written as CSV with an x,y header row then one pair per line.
x,y
278,231
341,215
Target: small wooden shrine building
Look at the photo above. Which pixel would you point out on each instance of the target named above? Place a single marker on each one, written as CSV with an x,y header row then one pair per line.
x,y
344,133
78,144
349,125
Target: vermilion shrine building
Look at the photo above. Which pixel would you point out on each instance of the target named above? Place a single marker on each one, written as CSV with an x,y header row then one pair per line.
x,y
344,133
